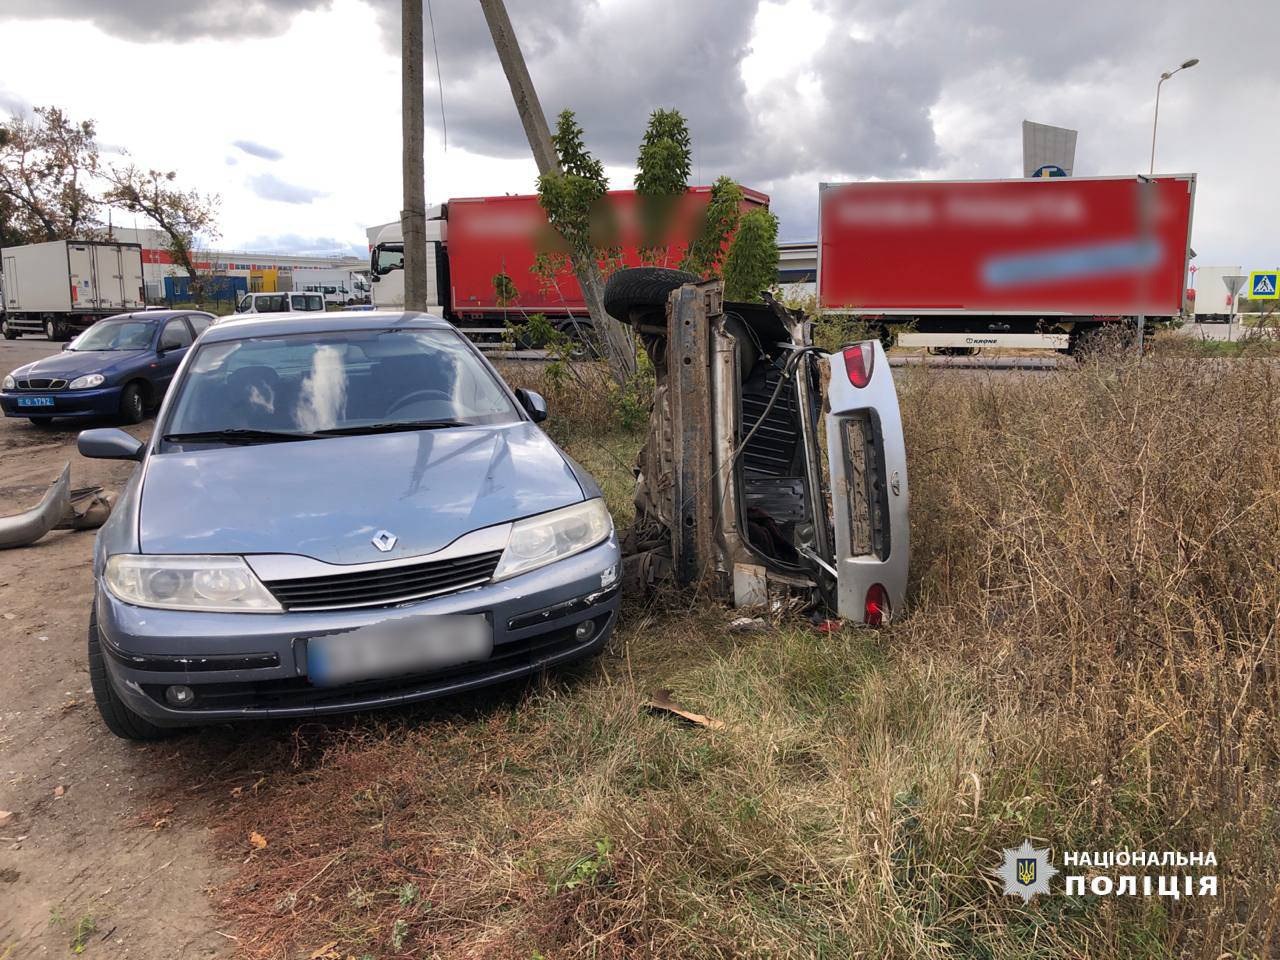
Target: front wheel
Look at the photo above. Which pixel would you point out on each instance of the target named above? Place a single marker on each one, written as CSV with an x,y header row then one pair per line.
x,y
120,720
131,406
7,331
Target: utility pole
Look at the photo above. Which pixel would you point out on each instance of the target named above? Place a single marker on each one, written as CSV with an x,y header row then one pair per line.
x,y
617,344
413,218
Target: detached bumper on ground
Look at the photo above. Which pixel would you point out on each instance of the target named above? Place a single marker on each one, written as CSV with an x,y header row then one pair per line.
x,y
249,666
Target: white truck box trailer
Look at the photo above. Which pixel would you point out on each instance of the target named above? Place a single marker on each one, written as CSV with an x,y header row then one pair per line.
x,y
64,286
341,287
1212,301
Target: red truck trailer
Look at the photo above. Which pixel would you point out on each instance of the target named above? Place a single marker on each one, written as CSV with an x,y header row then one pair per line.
x,y
473,240
1034,263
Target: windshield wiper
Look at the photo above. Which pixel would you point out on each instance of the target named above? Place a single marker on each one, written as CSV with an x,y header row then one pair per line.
x,y
238,435
397,426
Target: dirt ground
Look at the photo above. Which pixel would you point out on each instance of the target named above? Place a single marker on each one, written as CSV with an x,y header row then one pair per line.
x,y
88,842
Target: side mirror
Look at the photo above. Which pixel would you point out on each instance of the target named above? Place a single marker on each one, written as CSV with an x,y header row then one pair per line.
x,y
109,443
533,404
65,346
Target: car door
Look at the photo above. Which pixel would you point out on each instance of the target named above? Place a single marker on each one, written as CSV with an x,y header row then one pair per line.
x,y
867,460
175,339
199,322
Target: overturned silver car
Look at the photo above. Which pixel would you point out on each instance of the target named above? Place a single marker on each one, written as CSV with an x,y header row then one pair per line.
x,y
770,467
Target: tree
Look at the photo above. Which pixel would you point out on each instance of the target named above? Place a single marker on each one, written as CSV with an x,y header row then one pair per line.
x,y
751,266
720,219
573,198
183,215
662,179
47,165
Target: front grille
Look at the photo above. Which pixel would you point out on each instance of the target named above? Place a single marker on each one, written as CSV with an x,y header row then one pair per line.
x,y
42,383
386,586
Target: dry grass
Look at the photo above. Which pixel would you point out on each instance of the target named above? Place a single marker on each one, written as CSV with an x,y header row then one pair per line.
x,y
1089,661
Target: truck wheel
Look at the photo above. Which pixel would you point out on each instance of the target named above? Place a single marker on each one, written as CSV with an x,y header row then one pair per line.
x,y
120,720
642,290
1100,340
8,331
584,343
50,329
131,405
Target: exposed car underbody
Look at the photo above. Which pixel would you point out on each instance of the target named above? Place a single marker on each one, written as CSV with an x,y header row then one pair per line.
x,y
732,485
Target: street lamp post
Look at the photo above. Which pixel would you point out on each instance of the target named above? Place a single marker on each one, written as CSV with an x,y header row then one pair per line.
x,y
1186,64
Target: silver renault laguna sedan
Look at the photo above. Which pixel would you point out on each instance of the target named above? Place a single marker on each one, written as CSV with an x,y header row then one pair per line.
x,y
339,512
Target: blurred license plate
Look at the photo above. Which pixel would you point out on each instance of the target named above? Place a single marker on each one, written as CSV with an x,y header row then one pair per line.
x,y
35,401
398,647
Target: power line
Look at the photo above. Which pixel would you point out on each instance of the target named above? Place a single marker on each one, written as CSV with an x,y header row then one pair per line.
x,y
439,80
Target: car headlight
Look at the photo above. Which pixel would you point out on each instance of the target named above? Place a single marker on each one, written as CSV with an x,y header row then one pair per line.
x,y
87,381
9,382
224,584
549,537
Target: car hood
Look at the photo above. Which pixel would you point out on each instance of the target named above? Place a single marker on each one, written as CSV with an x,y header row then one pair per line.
x,y
326,499
74,363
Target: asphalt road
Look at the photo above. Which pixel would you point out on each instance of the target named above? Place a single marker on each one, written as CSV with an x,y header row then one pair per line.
x,y
87,833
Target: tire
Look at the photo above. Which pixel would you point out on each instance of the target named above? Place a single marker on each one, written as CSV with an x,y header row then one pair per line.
x,y
1098,341
584,344
642,290
132,408
120,720
8,332
50,329
887,336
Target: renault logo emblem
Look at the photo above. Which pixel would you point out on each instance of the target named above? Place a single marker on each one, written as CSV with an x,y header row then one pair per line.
x,y
384,540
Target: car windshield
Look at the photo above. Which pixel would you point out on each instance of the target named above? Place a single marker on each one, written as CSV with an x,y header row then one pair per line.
x,y
344,382
116,335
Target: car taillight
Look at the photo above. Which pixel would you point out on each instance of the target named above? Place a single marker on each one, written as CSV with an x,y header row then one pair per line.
x,y
876,608
858,361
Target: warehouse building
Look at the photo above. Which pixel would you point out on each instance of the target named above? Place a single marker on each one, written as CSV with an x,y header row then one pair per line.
x,y
261,272
798,269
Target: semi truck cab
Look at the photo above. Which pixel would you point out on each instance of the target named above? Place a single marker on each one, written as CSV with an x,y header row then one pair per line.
x,y
386,263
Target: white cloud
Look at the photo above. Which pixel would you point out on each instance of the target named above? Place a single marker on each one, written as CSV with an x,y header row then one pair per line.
x,y
780,93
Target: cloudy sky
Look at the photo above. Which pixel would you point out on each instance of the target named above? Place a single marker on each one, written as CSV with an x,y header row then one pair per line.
x,y
290,108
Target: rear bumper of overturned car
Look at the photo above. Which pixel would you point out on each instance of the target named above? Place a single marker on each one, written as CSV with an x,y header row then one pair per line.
x,y
254,666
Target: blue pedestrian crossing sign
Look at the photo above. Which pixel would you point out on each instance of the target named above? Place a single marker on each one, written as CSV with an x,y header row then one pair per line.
x,y
1264,285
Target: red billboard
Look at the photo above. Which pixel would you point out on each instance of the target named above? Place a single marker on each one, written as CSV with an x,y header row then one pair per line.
x,y
489,236
1076,246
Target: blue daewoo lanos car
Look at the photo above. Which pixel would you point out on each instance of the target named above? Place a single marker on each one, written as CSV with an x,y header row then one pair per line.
x,y
338,512
116,368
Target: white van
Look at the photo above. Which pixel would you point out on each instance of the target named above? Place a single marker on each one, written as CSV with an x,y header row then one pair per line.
x,y
294,302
